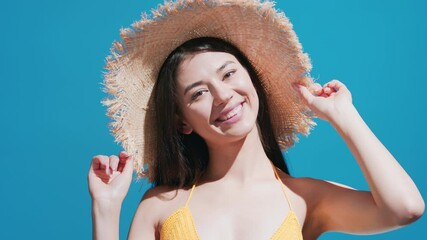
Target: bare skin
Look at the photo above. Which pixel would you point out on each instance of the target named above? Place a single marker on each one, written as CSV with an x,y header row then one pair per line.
x,y
238,197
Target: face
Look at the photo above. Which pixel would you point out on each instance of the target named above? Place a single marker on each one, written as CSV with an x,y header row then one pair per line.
x,y
216,97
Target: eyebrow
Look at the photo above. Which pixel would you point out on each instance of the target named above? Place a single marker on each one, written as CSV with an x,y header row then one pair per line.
x,y
223,66
195,84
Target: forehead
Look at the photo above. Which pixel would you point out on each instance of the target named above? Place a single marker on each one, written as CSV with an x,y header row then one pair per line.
x,y
204,62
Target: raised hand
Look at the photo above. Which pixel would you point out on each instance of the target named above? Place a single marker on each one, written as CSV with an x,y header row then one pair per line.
x,y
109,178
328,101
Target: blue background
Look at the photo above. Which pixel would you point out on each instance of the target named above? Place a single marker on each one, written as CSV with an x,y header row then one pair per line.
x,y
52,123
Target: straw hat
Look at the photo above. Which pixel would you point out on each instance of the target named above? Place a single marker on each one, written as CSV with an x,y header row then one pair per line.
x,y
260,31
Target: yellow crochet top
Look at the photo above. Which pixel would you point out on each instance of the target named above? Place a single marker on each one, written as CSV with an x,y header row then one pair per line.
x,y
180,224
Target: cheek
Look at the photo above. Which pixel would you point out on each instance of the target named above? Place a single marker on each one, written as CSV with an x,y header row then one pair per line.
x,y
246,86
252,94
198,112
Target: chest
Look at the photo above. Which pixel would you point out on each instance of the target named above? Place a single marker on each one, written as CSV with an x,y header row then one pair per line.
x,y
250,215
253,224
181,225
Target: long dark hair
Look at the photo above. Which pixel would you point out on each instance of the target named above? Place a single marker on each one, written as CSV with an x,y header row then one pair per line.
x,y
180,158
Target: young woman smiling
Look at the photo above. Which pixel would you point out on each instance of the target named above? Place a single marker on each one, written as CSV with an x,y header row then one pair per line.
x,y
216,117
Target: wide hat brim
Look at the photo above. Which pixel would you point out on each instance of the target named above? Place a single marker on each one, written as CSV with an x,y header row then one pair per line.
x,y
260,31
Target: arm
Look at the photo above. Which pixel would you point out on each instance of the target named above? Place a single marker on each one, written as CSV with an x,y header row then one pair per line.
x,y
394,199
109,179
146,220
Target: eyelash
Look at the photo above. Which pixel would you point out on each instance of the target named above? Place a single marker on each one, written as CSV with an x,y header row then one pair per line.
x,y
199,93
229,74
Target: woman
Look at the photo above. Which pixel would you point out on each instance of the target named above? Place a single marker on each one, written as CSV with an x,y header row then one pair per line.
x,y
213,128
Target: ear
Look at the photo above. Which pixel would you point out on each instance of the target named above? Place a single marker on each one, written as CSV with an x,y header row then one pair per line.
x,y
183,126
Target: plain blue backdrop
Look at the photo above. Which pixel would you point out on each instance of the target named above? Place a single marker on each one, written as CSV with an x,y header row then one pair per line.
x,y
52,123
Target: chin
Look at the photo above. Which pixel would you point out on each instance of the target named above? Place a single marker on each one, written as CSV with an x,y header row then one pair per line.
x,y
241,129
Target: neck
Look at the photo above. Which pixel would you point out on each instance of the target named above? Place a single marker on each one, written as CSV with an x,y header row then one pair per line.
x,y
240,161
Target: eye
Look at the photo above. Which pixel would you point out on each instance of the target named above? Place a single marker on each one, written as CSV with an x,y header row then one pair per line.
x,y
197,94
229,74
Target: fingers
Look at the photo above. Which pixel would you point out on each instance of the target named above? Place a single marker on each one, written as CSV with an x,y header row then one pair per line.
x,y
125,165
100,167
307,96
335,84
94,164
109,169
104,166
128,166
100,162
316,89
123,154
114,163
329,89
124,161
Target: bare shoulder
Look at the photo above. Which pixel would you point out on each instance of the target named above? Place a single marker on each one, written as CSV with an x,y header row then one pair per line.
x,y
161,201
161,195
303,187
312,199
303,193
156,205
314,191
312,185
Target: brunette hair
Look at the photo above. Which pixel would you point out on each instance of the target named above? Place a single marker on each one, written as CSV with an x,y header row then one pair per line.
x,y
181,159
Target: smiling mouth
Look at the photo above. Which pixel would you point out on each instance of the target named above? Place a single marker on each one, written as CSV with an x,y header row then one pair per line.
x,y
230,114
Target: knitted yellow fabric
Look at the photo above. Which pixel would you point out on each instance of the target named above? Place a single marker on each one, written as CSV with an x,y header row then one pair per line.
x,y
289,229
180,225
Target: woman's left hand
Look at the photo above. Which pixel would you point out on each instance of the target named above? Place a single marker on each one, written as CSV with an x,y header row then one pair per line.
x,y
328,101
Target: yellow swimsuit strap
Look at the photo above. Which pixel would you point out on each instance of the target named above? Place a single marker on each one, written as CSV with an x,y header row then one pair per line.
x,y
283,186
189,196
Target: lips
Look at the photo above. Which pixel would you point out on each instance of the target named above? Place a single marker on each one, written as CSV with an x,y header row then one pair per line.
x,y
230,113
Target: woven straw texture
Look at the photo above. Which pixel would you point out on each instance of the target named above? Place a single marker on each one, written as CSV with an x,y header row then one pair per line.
x,y
261,32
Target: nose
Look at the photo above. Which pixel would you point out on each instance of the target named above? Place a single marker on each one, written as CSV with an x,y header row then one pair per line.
x,y
221,93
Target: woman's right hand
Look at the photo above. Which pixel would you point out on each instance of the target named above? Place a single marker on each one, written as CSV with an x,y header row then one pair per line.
x,y
110,177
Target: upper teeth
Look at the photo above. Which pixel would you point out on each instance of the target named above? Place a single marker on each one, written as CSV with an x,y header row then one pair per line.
x,y
232,113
